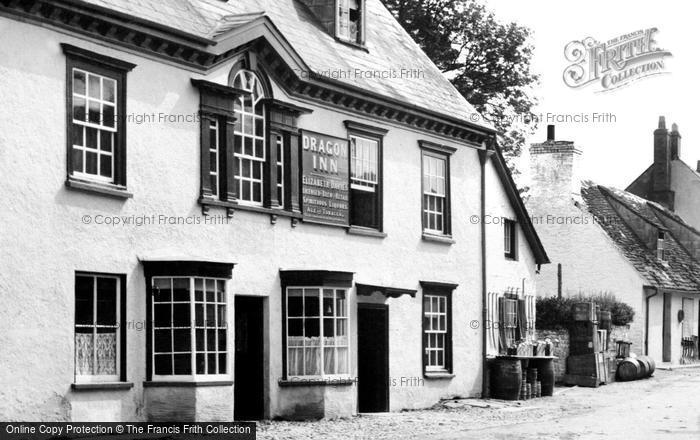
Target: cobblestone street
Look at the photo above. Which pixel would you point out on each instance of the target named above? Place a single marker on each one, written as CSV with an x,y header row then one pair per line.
x,y
665,406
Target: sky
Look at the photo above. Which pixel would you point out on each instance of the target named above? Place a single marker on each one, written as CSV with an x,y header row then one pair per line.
x,y
619,146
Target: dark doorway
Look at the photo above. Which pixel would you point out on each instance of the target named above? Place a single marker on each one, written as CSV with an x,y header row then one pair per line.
x,y
248,374
373,357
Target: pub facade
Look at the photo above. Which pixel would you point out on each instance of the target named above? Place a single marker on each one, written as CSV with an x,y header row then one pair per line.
x,y
242,210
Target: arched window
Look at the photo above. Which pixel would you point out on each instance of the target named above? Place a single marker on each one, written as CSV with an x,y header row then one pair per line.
x,y
249,138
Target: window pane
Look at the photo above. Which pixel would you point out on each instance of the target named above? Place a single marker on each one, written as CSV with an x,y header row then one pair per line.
x,y
295,327
78,82
109,90
94,112
108,115
163,364
106,301
106,140
311,302
91,137
340,309
222,363
93,86
328,328
182,340
79,109
312,329
328,302
201,339
161,315
222,340
181,289
84,300
341,329
211,364
295,302
211,292
91,162
84,351
211,340
161,289
77,160
162,342
181,315
199,315
200,364
105,165
182,364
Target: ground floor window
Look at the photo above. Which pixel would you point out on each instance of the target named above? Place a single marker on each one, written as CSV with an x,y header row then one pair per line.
x,y
98,319
317,332
189,330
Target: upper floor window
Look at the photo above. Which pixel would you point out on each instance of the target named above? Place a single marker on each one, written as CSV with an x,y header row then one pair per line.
x,y
249,138
96,117
510,239
436,194
350,20
365,175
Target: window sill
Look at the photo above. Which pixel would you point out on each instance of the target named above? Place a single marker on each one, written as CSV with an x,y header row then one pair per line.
x,y
352,44
438,375
284,383
365,232
511,258
102,386
259,209
106,189
444,239
184,384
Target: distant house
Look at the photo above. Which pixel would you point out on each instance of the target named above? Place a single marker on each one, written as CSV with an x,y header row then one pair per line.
x,y
670,181
602,239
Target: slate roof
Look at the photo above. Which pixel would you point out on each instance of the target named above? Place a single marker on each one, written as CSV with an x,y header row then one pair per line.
x,y
679,272
389,47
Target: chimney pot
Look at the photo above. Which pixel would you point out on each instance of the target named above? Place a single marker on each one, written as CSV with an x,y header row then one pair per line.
x,y
662,122
674,128
550,133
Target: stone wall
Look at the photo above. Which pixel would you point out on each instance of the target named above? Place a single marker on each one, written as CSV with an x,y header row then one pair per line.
x,y
560,338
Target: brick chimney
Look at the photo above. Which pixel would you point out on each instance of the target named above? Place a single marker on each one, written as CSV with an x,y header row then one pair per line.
x,y
661,171
675,142
554,171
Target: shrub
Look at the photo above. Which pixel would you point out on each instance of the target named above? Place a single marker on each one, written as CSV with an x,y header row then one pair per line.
x,y
556,313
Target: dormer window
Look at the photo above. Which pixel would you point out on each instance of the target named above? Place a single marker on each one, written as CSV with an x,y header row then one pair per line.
x,y
350,23
660,247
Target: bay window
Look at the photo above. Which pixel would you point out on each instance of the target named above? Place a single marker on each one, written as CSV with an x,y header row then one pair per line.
x,y
189,330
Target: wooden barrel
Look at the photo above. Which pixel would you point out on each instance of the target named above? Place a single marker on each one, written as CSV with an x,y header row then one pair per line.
x,y
531,375
649,363
628,369
643,367
545,375
506,378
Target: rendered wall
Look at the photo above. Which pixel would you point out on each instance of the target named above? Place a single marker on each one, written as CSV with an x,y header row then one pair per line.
x,y
50,232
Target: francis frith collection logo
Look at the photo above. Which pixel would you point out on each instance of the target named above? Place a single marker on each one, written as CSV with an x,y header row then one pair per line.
x,y
614,63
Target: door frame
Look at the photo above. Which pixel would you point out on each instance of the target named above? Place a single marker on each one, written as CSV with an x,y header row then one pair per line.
x,y
385,308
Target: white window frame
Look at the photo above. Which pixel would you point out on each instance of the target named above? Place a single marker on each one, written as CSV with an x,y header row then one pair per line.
x,y
439,332
248,80
84,125
321,317
194,377
342,21
364,163
432,173
510,239
97,378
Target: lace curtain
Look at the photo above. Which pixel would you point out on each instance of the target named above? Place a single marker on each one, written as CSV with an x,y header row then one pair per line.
x,y
102,348
304,355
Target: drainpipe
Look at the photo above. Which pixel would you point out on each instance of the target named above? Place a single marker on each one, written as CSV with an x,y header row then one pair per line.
x,y
646,319
484,155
